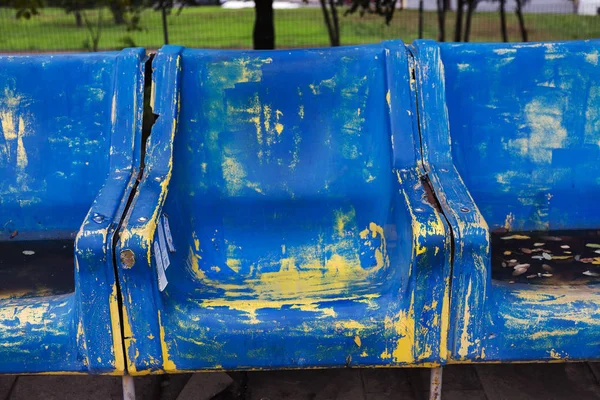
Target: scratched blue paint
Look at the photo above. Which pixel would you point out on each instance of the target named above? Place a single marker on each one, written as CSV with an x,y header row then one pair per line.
x,y
510,136
70,128
289,202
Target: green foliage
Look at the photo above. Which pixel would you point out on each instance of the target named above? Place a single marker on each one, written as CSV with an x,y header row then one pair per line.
x,y
384,8
214,27
24,9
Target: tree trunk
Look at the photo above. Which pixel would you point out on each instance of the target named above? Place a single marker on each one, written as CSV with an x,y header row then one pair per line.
x,y
332,26
117,12
421,19
519,12
336,23
78,20
264,28
441,19
447,5
470,10
459,20
163,11
503,21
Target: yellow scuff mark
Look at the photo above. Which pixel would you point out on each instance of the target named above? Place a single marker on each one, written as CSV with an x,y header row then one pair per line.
x,y
382,259
12,99
342,219
115,323
194,266
445,321
350,325
278,125
129,340
113,110
388,99
168,364
279,128
508,222
301,112
463,351
592,57
8,125
234,264
196,241
558,332
245,70
267,114
317,282
151,336
81,335
364,354
234,175
556,355
543,117
357,341
385,355
404,326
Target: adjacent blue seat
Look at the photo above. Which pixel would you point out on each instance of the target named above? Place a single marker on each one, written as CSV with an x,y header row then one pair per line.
x,y
511,142
70,128
282,221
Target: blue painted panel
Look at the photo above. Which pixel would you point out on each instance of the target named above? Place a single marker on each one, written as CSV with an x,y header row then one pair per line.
x,y
525,145
302,232
510,141
70,127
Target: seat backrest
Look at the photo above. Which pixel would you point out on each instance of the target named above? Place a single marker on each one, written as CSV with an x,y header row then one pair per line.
x,y
525,129
56,117
265,123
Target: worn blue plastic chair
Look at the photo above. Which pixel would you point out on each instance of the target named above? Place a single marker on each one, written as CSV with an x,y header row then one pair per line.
x,y
281,221
70,129
517,149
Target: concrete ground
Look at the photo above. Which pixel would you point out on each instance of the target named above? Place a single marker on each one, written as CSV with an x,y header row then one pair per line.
x,y
578,381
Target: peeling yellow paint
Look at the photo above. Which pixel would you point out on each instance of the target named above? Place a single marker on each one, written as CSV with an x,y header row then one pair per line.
x,y
350,325
465,343
385,355
357,341
342,219
168,364
115,323
234,264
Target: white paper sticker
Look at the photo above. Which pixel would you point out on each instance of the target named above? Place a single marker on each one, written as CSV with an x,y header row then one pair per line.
x,y
165,221
163,246
160,270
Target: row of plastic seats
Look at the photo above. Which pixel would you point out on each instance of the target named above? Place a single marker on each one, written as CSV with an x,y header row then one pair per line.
x,y
296,209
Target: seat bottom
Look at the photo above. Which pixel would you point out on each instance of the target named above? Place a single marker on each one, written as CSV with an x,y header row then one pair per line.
x,y
547,258
36,268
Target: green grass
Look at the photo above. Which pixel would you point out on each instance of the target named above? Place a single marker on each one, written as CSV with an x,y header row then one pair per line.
x,y
212,27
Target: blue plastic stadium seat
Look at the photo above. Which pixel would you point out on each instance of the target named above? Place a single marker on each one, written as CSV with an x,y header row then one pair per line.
x,y
281,221
511,140
70,128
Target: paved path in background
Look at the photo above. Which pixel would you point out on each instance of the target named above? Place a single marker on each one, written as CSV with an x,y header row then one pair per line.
x,y
578,381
